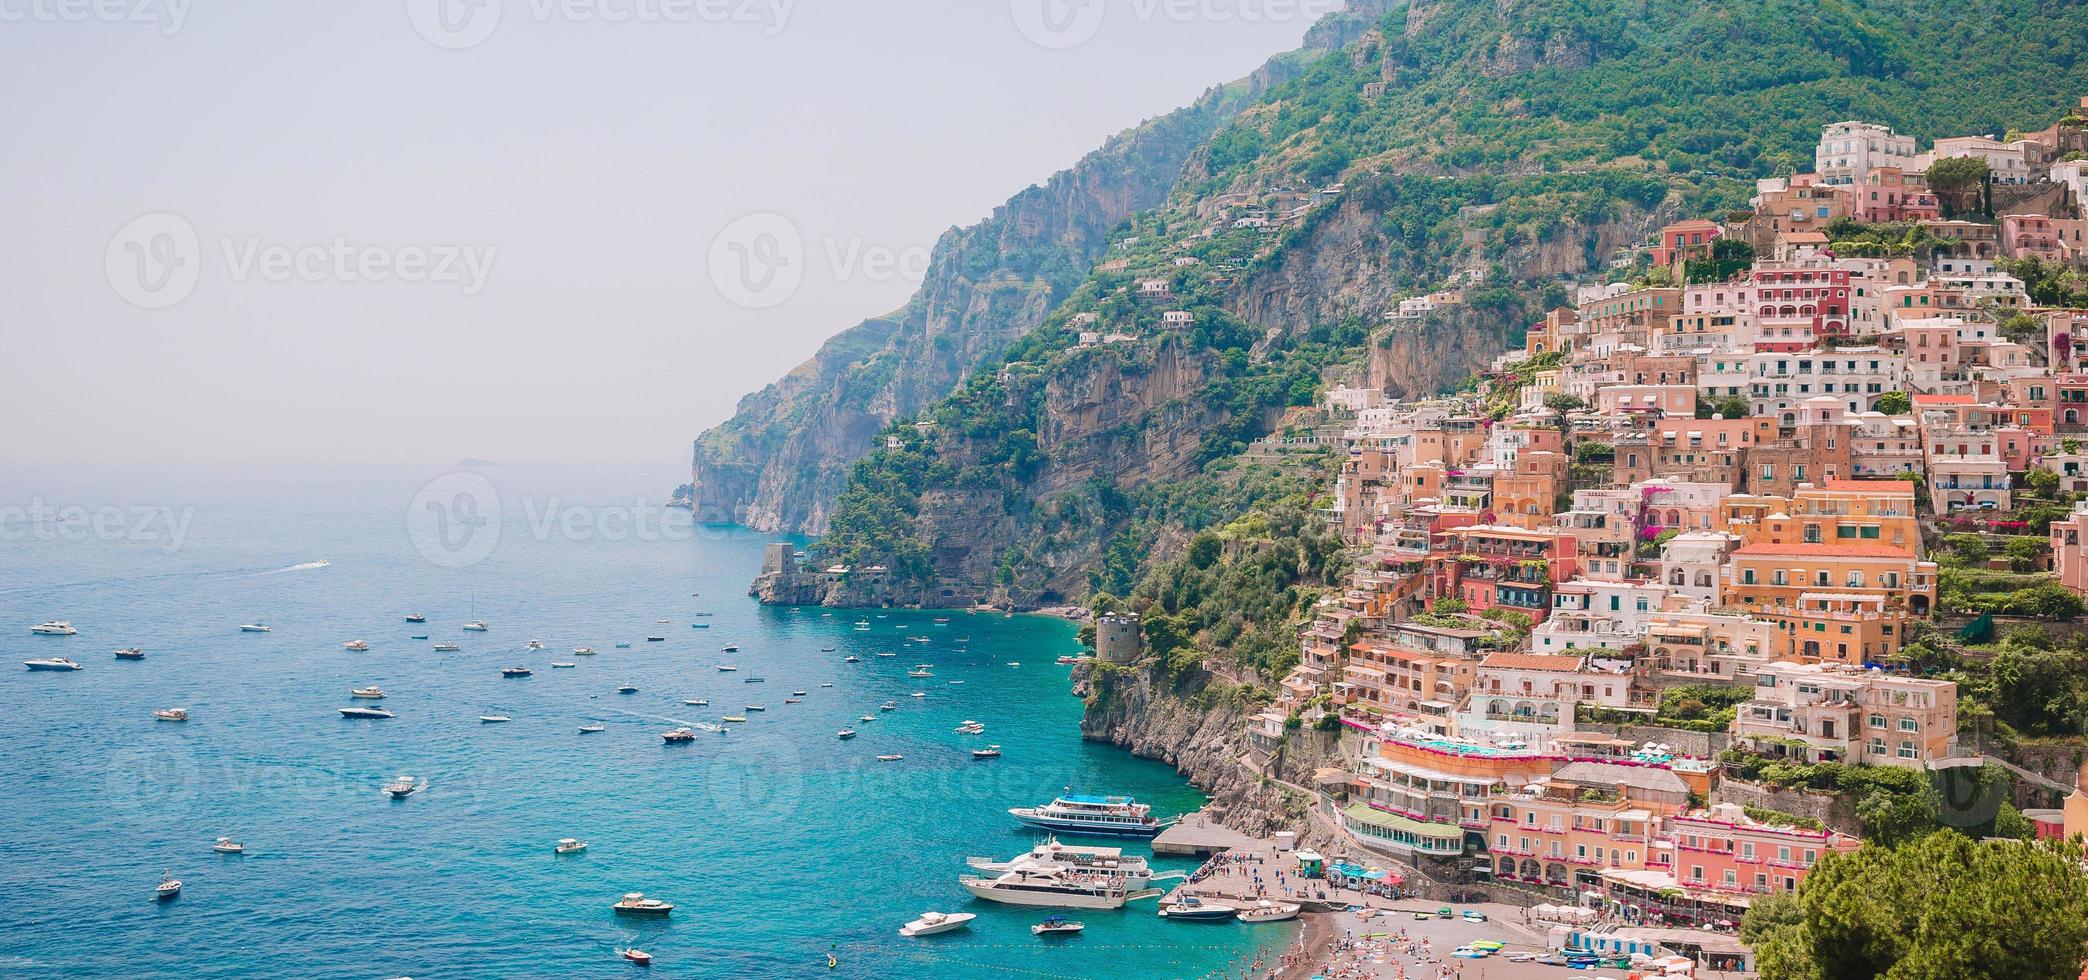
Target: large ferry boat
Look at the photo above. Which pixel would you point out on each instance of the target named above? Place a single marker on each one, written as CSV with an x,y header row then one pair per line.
x,y
1108,816
1053,888
1109,862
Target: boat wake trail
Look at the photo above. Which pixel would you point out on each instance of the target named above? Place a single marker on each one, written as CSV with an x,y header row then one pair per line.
x,y
321,563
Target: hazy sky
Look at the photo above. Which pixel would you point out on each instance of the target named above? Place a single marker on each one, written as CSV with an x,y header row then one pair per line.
x,y
200,191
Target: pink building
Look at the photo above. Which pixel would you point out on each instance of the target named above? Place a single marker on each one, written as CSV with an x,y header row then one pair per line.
x,y
1659,401
1723,849
2070,549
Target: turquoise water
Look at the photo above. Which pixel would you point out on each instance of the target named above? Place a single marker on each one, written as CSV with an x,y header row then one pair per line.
x,y
777,842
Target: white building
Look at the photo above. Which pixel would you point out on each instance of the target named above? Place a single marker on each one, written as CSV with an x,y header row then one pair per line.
x,y
1849,151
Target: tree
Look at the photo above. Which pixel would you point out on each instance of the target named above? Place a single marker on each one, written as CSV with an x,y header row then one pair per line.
x,y
1729,406
2041,481
1893,403
1941,906
1955,178
1562,403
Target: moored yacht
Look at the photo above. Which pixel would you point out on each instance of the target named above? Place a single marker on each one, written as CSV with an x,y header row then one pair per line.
x,y
568,845
563,664
627,689
989,752
416,618
403,787
535,644
171,714
1109,862
931,923
254,628
515,672
130,653
50,663
373,693
584,651
1267,911
679,736
447,648
1113,816
494,719
358,712
226,845
593,729
1052,888
477,626
845,733
56,627
727,668
169,887
1189,908
635,903
851,659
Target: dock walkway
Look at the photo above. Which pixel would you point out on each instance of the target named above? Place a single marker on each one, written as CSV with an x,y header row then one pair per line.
x,y
1196,835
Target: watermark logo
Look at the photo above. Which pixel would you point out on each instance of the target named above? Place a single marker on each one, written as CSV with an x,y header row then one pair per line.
x,y
759,260
1057,24
166,15
1062,24
154,260
40,521
454,24
454,521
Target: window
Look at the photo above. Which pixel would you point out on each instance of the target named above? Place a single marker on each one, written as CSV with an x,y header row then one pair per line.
x,y
1906,749
1877,746
1909,725
1877,721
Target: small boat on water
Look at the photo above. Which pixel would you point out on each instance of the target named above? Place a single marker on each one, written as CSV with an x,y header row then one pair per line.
x,y
356,645
727,668
515,672
890,758
50,663
755,680
535,644
942,619
931,923
567,845
826,649
888,706
416,617
989,752
254,628
593,729
679,736
171,714
563,664
623,646
1189,908
169,887
1057,925
418,636
226,845
637,956
447,648
845,733
1069,660
699,626
869,717
827,684
627,689
736,719
56,627
797,694
756,707
373,693
729,648
793,700
636,903
1267,911
851,659
477,626
494,719
697,702
403,787
584,651
655,639
918,672
663,622
919,694
130,653
366,713
970,727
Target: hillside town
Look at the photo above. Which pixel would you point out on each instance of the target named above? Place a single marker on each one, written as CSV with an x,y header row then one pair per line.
x,y
1700,523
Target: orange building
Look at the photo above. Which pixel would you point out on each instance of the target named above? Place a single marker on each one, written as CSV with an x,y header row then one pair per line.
x,y
1849,603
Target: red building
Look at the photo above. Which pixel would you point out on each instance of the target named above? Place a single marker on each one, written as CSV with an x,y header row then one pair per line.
x,y
1819,294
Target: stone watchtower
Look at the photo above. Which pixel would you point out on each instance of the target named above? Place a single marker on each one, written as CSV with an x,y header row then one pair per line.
x,y
1117,639
777,558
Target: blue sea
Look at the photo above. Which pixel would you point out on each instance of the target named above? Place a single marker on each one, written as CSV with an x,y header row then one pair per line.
x,y
778,843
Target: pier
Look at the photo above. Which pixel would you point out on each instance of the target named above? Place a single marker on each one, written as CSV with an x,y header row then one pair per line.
x,y
1196,835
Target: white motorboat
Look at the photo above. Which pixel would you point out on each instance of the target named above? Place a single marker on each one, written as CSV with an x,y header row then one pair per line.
x,y
729,648
931,923
477,626
447,648
697,702
1057,925
919,694
1189,908
593,729
989,752
366,713
627,689
254,628
403,787
226,845
567,845
895,757
169,887
1131,870
563,665
970,727
851,659
869,717
845,733
888,706
637,956
736,719
535,644
635,903
171,714
56,627
494,719
50,663
584,651
727,668
679,736
356,645
416,617
1053,888
130,653
372,693
1267,911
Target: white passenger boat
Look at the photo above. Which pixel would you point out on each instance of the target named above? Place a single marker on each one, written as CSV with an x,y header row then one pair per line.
x,y
989,752
226,845
356,645
1108,862
171,714
372,693
1052,888
50,663
567,845
1057,925
56,627
636,903
1111,816
169,887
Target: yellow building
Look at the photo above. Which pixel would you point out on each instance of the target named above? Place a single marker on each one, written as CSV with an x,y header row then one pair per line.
x,y
1849,603
1840,512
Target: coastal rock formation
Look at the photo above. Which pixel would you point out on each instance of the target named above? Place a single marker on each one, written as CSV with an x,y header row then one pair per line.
x,y
780,462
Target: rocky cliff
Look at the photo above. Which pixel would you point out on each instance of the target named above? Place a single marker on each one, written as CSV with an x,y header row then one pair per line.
x,y
780,462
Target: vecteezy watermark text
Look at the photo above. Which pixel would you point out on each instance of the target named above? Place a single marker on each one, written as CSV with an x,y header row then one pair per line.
x,y
156,260
40,521
1064,24
166,15
759,260
457,520
460,24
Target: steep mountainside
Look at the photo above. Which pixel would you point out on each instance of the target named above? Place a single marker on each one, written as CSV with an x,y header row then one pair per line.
x,y
780,461
1500,146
